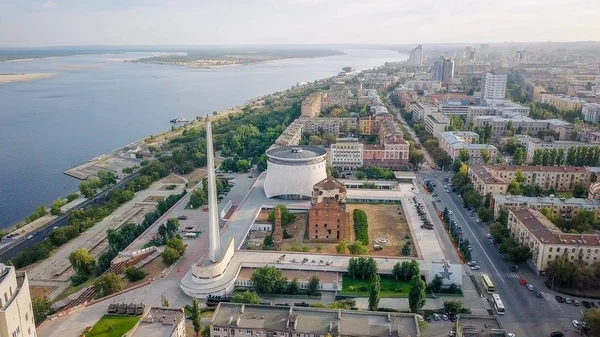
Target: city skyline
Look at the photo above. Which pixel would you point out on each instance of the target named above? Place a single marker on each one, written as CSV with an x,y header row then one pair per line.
x,y
185,22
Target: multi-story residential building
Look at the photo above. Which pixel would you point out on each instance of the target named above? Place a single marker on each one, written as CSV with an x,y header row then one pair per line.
x,y
366,125
422,110
436,123
311,106
236,319
503,108
563,129
391,152
493,86
443,70
327,214
591,112
589,135
16,312
388,128
159,321
529,227
453,141
566,208
454,107
378,109
533,144
521,125
415,58
333,125
291,135
562,102
496,178
346,155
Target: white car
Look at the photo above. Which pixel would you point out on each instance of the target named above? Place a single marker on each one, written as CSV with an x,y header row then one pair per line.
x,y
470,248
450,212
488,235
530,287
510,334
475,267
471,263
55,227
576,324
29,236
478,220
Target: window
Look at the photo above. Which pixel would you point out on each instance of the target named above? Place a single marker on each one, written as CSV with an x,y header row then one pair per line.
x,y
5,298
550,249
26,316
557,249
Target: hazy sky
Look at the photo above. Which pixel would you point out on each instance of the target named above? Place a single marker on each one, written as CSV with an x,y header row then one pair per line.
x,y
27,23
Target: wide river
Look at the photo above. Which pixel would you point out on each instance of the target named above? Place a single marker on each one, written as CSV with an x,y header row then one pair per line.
x,y
97,103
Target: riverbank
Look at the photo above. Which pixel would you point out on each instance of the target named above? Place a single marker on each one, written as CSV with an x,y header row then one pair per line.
x,y
24,77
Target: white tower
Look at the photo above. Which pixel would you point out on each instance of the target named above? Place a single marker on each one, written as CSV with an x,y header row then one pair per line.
x,y
213,217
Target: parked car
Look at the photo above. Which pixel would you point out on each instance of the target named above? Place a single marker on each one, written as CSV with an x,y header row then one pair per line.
x,y
434,195
595,305
436,317
576,324
478,220
576,303
568,300
472,215
444,317
488,235
450,212
538,293
471,263
586,304
530,287
475,267
182,217
29,236
55,227
513,268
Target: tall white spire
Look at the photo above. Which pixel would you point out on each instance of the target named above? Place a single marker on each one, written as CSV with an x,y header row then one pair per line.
x,y
213,210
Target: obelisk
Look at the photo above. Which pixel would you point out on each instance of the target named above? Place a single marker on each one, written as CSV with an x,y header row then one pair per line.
x,y
213,211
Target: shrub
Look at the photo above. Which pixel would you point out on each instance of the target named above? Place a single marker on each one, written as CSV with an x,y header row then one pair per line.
x,y
361,227
133,274
79,278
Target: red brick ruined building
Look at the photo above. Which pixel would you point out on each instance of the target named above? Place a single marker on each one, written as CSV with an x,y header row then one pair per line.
x,y
327,214
277,231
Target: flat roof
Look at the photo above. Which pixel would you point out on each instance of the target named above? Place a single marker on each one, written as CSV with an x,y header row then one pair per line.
x,y
512,168
486,176
546,200
315,321
481,326
301,275
159,322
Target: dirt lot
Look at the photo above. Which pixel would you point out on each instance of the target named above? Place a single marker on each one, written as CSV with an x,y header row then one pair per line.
x,y
195,176
40,291
300,241
172,179
385,221
152,269
153,198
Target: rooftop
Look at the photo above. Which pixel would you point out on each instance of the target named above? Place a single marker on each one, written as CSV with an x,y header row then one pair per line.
x,y
557,169
159,322
546,200
480,326
439,118
296,152
301,275
486,176
315,321
329,184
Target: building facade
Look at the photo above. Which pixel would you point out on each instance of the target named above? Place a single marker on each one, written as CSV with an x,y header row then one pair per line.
x,y
311,106
436,123
562,102
161,321
493,86
453,141
591,112
415,58
346,155
327,214
566,208
534,144
16,311
328,125
531,228
291,135
421,110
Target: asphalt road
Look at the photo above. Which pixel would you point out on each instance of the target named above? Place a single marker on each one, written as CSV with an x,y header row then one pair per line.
x,y
526,314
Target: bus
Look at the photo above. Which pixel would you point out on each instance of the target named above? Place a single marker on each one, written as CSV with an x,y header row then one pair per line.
x,y
487,284
498,306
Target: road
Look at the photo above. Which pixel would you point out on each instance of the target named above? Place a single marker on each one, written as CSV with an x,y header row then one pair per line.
x,y
526,315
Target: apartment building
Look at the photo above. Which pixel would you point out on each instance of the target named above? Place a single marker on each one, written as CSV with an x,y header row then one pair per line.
x,y
436,123
454,107
378,109
522,125
493,86
311,106
391,152
566,208
327,213
415,57
531,228
160,321
388,127
453,141
16,312
589,135
562,102
421,110
232,319
503,108
366,125
328,125
291,135
496,178
591,112
534,144
346,155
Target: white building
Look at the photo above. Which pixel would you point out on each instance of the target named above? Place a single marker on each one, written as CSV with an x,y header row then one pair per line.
x,y
293,171
453,141
534,144
422,110
591,112
346,155
159,321
415,57
493,86
503,108
16,312
436,123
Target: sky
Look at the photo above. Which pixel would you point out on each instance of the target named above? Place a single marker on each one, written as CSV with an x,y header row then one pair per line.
x,y
33,23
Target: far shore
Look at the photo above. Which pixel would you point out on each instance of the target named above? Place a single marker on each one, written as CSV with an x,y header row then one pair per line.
x,y
23,77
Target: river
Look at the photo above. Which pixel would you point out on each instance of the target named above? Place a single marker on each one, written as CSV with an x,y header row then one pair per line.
x,y
97,103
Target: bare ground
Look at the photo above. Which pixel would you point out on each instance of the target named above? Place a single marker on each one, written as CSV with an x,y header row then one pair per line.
x,y
153,198
172,179
152,269
40,291
195,176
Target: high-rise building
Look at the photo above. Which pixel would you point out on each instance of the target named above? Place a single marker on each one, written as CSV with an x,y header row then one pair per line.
x,y
591,112
443,69
521,55
16,313
416,56
493,86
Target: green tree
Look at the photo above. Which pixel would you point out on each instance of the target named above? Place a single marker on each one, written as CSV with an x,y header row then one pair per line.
x,y
164,300
42,307
485,154
247,297
313,285
268,280
375,293
357,248
592,319
397,270
436,283
268,242
193,310
453,307
177,244
293,287
360,175
133,274
416,295
518,156
416,158
484,214
579,190
86,190
170,256
72,197
56,205
82,261
107,284
286,215
243,165
342,247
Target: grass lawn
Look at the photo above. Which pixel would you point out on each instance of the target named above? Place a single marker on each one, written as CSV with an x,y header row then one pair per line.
x,y
73,289
120,325
207,314
360,288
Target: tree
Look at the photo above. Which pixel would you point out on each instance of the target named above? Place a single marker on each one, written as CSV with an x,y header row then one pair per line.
x,y
453,307
579,190
360,175
192,310
243,165
86,190
268,280
313,285
196,323
268,242
286,215
177,244
293,287
42,307
416,158
56,205
375,293
592,319
133,274
406,250
436,283
247,297
170,256
82,261
342,247
484,214
485,154
397,270
357,248
164,300
107,284
416,295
